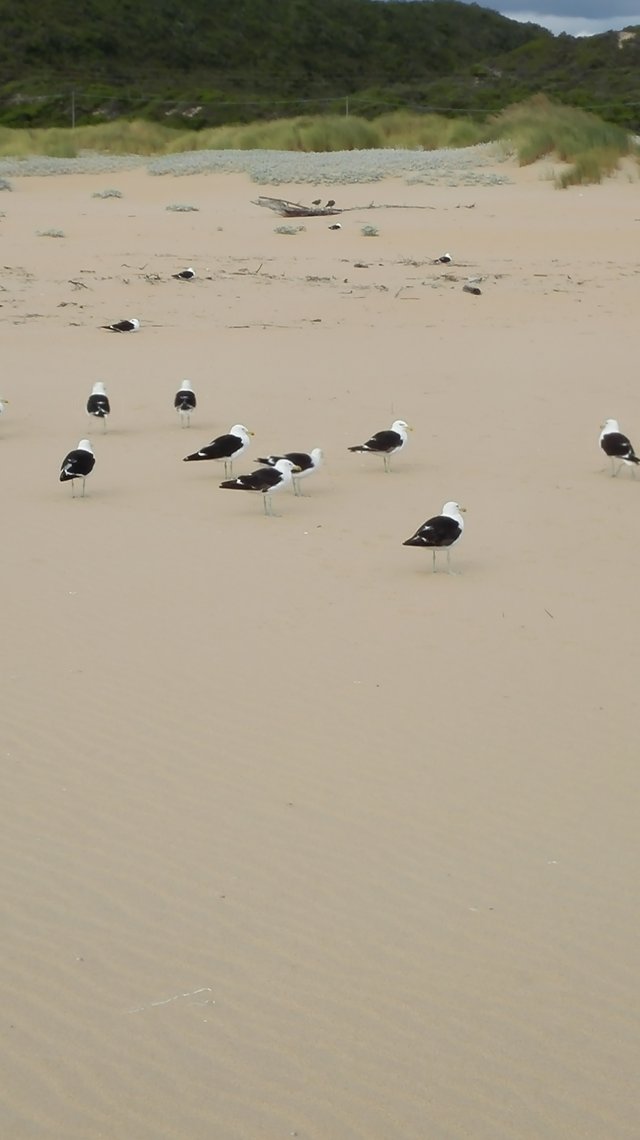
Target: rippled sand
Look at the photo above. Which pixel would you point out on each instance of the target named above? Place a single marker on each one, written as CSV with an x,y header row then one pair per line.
x,y
300,839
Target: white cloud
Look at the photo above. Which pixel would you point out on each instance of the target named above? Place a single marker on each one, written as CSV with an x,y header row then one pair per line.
x,y
575,25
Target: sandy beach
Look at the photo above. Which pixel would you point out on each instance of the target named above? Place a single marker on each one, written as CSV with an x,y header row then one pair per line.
x,y
301,839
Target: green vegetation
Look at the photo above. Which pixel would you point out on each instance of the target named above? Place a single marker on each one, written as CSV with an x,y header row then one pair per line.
x,y
532,130
539,128
195,64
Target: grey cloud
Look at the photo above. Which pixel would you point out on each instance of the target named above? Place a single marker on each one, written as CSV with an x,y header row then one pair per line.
x,y
605,10
573,25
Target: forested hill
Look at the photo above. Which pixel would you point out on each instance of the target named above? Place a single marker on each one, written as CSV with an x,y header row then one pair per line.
x,y
201,62
273,46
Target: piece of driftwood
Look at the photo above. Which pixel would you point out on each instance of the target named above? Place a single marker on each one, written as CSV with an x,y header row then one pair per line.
x,y
295,210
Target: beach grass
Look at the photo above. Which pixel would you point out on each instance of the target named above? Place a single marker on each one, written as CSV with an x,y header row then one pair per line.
x,y
531,130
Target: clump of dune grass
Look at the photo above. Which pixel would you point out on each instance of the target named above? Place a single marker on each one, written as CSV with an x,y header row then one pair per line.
x,y
289,230
306,133
369,231
5,184
539,128
51,233
426,132
120,137
589,167
182,208
107,194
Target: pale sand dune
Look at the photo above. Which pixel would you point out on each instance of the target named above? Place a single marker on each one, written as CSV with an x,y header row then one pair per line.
x,y
299,838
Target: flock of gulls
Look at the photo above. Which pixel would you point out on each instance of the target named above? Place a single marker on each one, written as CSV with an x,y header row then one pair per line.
x,y
277,472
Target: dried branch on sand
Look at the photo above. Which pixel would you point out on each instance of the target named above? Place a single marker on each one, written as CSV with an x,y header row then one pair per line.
x,y
295,210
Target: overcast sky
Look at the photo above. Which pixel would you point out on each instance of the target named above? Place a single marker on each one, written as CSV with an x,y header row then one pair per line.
x,y
577,17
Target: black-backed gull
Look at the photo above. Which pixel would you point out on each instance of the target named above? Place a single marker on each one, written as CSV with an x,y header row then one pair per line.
x,y
185,402
78,464
306,462
444,259
131,325
98,403
617,446
265,481
225,447
386,443
439,532
184,275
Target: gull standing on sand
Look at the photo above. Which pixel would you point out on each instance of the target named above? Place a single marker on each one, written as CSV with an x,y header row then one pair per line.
x,y
444,259
184,275
185,402
131,325
305,464
224,447
441,531
98,403
617,446
266,481
386,443
77,465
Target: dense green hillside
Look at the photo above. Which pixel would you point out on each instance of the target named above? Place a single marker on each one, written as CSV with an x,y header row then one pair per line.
x,y
206,62
206,51
264,45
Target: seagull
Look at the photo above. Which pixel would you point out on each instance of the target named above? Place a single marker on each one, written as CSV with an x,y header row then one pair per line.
x,y
185,402
266,481
78,464
123,326
98,403
184,275
335,226
386,443
225,447
444,259
305,464
3,404
617,446
442,530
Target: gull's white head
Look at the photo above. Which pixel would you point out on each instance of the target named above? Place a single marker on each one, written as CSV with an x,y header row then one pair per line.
x,y
241,431
400,426
186,386
3,401
317,455
610,425
98,389
286,467
85,445
453,511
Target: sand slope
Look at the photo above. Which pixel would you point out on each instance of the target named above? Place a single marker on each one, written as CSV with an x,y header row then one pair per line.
x,y
299,838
